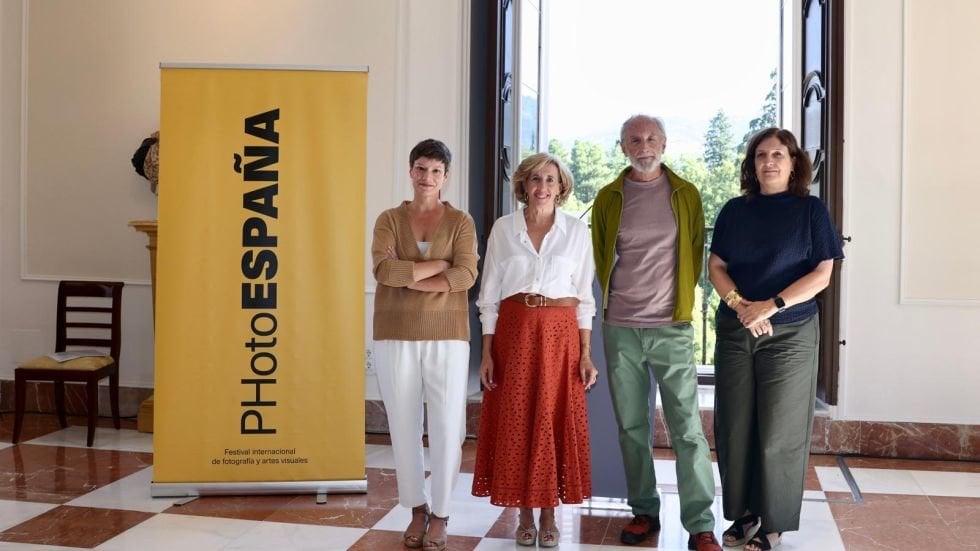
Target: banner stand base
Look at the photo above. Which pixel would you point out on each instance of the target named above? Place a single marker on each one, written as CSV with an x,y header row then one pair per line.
x,y
195,489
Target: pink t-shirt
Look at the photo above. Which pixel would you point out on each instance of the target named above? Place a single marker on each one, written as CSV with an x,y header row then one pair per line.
x,y
641,290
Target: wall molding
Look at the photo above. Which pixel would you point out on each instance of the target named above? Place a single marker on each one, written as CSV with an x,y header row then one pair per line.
x,y
413,29
903,253
463,111
938,302
57,278
906,296
400,102
24,40
25,274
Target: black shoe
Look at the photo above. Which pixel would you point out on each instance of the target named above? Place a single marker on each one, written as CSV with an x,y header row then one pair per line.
x,y
761,541
741,530
639,529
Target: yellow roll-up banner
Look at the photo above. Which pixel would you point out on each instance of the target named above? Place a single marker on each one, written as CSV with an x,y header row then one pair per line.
x,y
260,280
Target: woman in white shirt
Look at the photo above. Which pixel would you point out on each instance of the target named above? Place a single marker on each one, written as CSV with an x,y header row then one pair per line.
x,y
536,307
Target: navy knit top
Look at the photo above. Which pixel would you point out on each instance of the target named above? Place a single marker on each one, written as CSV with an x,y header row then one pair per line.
x,y
770,241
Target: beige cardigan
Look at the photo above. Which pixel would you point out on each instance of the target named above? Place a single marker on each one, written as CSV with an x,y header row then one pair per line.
x,y
404,314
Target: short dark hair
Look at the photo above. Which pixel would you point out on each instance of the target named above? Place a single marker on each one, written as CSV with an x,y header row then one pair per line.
x,y
800,177
430,149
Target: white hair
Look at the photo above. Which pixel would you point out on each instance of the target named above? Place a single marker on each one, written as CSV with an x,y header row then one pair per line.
x,y
641,117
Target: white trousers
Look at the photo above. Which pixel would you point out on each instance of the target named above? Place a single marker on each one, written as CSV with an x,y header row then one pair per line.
x,y
437,371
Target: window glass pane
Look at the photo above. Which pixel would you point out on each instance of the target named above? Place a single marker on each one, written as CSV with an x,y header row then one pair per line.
x,y
713,82
529,122
530,17
530,44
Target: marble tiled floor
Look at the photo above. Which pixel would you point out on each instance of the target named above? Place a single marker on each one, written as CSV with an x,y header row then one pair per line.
x,y
57,494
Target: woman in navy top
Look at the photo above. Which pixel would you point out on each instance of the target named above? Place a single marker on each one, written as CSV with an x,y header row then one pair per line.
x,y
772,251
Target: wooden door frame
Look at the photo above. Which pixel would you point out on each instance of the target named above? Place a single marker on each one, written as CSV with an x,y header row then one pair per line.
x,y
832,41
831,183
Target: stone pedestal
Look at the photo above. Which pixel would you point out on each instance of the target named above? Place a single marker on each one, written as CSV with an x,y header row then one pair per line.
x,y
144,420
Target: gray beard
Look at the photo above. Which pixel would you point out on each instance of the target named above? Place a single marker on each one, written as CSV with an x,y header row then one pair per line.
x,y
645,166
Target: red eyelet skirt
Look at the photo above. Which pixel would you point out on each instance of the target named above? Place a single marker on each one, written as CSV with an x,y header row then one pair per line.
x,y
533,446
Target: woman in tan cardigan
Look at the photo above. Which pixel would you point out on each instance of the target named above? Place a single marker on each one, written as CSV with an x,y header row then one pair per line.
x,y
425,257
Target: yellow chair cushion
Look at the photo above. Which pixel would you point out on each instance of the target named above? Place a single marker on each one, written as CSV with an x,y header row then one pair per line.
x,y
85,363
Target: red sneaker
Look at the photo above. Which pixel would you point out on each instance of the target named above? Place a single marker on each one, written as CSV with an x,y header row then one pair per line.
x,y
639,529
703,541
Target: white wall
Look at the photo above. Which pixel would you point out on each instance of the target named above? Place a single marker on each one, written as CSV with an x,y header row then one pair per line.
x,y
80,90
940,119
904,360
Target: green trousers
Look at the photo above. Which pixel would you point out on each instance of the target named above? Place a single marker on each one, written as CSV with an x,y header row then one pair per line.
x,y
631,355
765,390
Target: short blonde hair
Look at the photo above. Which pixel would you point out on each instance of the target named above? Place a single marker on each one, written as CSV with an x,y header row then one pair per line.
x,y
535,163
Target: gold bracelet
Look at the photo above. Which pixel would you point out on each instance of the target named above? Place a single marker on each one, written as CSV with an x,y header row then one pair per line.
x,y
733,298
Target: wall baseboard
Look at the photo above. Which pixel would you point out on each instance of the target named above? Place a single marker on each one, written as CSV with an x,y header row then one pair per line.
x,y
40,398
936,441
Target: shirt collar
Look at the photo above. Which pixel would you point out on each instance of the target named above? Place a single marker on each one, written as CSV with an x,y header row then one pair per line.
x,y
520,224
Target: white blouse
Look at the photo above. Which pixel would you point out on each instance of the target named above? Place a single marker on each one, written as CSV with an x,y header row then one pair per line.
x,y
563,268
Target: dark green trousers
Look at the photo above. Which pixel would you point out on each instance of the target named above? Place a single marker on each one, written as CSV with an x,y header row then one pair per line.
x,y
765,389
637,360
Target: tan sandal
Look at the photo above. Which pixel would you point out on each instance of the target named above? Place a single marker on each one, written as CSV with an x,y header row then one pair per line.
x,y
413,538
436,544
526,535
548,538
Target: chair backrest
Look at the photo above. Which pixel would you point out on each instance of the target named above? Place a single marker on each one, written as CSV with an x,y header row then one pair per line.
x,y
84,322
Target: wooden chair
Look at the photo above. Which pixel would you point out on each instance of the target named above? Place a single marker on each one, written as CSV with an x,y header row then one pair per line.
x,y
83,321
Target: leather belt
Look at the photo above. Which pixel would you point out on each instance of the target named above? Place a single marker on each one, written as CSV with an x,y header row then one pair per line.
x,y
534,300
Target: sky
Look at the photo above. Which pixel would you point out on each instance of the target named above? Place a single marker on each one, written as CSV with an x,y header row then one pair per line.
x,y
679,59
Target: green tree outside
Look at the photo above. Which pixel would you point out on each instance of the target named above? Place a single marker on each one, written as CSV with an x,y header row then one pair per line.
x,y
766,118
557,149
616,161
572,204
719,146
721,162
589,166
715,173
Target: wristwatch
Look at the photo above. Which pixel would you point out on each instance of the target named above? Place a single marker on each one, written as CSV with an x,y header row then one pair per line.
x,y
779,302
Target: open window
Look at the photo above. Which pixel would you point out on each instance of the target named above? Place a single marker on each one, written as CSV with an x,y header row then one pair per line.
x,y
801,90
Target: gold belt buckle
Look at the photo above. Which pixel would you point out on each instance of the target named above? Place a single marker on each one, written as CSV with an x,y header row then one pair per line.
x,y
542,300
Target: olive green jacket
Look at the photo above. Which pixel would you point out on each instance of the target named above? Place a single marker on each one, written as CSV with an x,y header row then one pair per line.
x,y
685,201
